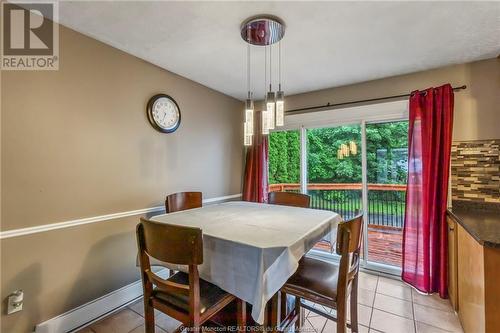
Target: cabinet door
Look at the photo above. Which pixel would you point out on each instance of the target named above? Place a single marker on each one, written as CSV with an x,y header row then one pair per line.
x,y
452,264
470,282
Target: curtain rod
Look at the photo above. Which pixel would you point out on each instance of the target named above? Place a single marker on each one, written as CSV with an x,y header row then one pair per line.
x,y
329,105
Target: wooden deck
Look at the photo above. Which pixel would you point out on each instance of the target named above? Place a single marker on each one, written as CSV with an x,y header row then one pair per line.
x,y
384,245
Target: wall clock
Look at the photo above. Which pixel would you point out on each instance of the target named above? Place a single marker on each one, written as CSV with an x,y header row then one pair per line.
x,y
163,113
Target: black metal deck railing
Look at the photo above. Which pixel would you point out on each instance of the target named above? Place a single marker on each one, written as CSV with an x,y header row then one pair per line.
x,y
386,202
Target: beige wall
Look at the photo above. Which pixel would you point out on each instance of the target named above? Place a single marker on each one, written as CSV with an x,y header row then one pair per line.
x,y
477,109
76,143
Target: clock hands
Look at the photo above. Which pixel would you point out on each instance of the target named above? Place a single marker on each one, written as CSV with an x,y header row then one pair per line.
x,y
163,113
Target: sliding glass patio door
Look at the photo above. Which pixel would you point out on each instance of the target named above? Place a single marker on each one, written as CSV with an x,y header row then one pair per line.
x,y
334,172
386,172
362,167
347,168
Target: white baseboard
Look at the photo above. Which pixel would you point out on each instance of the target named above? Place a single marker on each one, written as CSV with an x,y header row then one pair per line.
x,y
92,311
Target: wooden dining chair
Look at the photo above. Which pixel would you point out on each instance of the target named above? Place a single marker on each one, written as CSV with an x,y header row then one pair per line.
x,y
182,201
328,283
289,199
183,296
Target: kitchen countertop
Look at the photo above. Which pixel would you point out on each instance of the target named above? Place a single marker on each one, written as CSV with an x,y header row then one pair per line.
x,y
481,222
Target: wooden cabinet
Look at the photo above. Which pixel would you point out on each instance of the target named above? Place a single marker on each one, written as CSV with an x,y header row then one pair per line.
x,y
492,289
470,282
474,275
452,263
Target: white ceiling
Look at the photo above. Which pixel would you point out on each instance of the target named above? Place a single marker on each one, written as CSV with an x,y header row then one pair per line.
x,y
326,44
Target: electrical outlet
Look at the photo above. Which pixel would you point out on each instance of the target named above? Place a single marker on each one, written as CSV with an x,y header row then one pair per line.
x,y
15,302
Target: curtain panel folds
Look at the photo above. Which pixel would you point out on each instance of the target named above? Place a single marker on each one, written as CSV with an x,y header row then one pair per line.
x,y
425,231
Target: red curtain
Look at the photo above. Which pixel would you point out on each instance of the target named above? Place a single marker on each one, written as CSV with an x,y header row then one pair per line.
x,y
425,232
255,182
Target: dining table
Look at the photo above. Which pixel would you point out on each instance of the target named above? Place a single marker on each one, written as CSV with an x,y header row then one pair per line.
x,y
251,249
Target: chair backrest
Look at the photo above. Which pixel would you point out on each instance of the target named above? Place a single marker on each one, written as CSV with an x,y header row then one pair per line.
x,y
289,199
182,201
348,247
169,243
349,231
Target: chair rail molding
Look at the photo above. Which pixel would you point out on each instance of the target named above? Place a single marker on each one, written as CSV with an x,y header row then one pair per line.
x,y
101,218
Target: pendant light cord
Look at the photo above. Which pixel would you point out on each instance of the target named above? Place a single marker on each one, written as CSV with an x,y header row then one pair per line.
x,y
270,68
248,70
265,71
279,65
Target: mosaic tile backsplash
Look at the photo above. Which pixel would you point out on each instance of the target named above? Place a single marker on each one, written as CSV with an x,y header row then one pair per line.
x,y
475,171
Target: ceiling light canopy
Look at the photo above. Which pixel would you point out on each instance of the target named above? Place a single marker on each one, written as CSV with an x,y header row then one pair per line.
x,y
262,30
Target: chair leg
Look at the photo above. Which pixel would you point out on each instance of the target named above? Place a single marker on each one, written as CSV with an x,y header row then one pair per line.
x,y
283,306
342,316
298,310
302,316
274,321
241,316
149,316
195,328
354,305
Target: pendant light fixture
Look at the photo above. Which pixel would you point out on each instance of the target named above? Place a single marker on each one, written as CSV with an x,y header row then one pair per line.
x,y
264,30
270,101
280,96
249,108
265,113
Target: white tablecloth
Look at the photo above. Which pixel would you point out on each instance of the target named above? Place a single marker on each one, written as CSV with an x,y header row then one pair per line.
x,y
251,249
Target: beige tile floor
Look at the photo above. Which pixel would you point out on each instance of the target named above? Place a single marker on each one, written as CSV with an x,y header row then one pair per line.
x,y
384,305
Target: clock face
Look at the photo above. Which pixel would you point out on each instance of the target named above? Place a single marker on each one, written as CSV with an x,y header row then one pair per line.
x,y
164,113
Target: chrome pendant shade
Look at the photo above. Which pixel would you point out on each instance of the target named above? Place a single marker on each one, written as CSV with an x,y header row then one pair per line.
x,y
280,108
270,106
263,30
